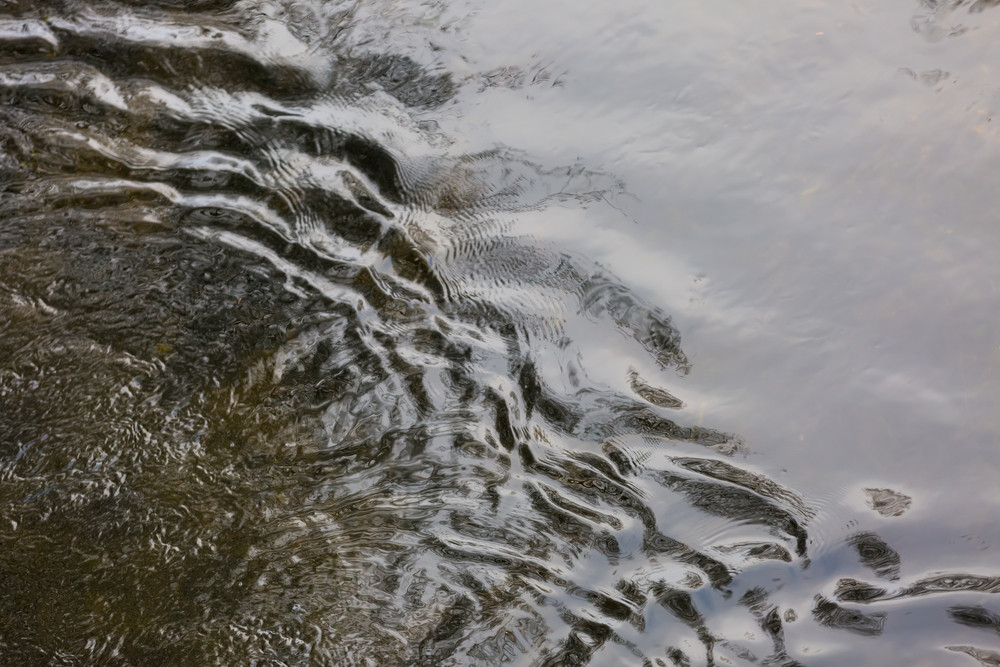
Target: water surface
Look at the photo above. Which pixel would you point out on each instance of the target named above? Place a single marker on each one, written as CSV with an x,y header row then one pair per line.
x,y
466,333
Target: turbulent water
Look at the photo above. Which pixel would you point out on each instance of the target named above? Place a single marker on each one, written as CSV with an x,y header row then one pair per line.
x,y
283,381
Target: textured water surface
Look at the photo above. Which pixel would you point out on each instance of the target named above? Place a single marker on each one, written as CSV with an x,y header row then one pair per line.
x,y
295,370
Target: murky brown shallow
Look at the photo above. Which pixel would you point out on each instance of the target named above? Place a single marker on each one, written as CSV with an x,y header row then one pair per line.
x,y
452,333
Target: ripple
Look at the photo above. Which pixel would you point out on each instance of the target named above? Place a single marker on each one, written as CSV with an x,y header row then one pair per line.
x,y
888,502
283,383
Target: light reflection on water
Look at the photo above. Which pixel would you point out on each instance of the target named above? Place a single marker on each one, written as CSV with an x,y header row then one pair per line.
x,y
351,334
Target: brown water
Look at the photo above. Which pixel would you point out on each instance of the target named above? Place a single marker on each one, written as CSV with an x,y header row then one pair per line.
x,y
483,333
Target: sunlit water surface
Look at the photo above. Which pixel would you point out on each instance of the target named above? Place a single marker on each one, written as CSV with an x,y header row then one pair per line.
x,y
350,333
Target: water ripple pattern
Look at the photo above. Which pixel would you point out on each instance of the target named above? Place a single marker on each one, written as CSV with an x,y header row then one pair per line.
x,y
280,385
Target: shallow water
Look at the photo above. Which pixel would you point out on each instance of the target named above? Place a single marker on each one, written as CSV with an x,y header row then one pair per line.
x,y
483,333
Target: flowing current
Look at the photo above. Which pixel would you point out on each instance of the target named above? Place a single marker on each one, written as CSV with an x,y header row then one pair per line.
x,y
283,381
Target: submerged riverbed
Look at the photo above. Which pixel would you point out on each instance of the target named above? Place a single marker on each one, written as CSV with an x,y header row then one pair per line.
x,y
342,333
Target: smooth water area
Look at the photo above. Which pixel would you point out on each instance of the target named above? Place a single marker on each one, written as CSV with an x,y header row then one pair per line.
x,y
467,333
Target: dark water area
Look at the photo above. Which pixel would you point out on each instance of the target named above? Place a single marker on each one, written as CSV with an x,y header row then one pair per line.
x,y
426,333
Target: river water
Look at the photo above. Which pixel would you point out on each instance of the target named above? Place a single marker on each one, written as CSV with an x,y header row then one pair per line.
x,y
453,333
